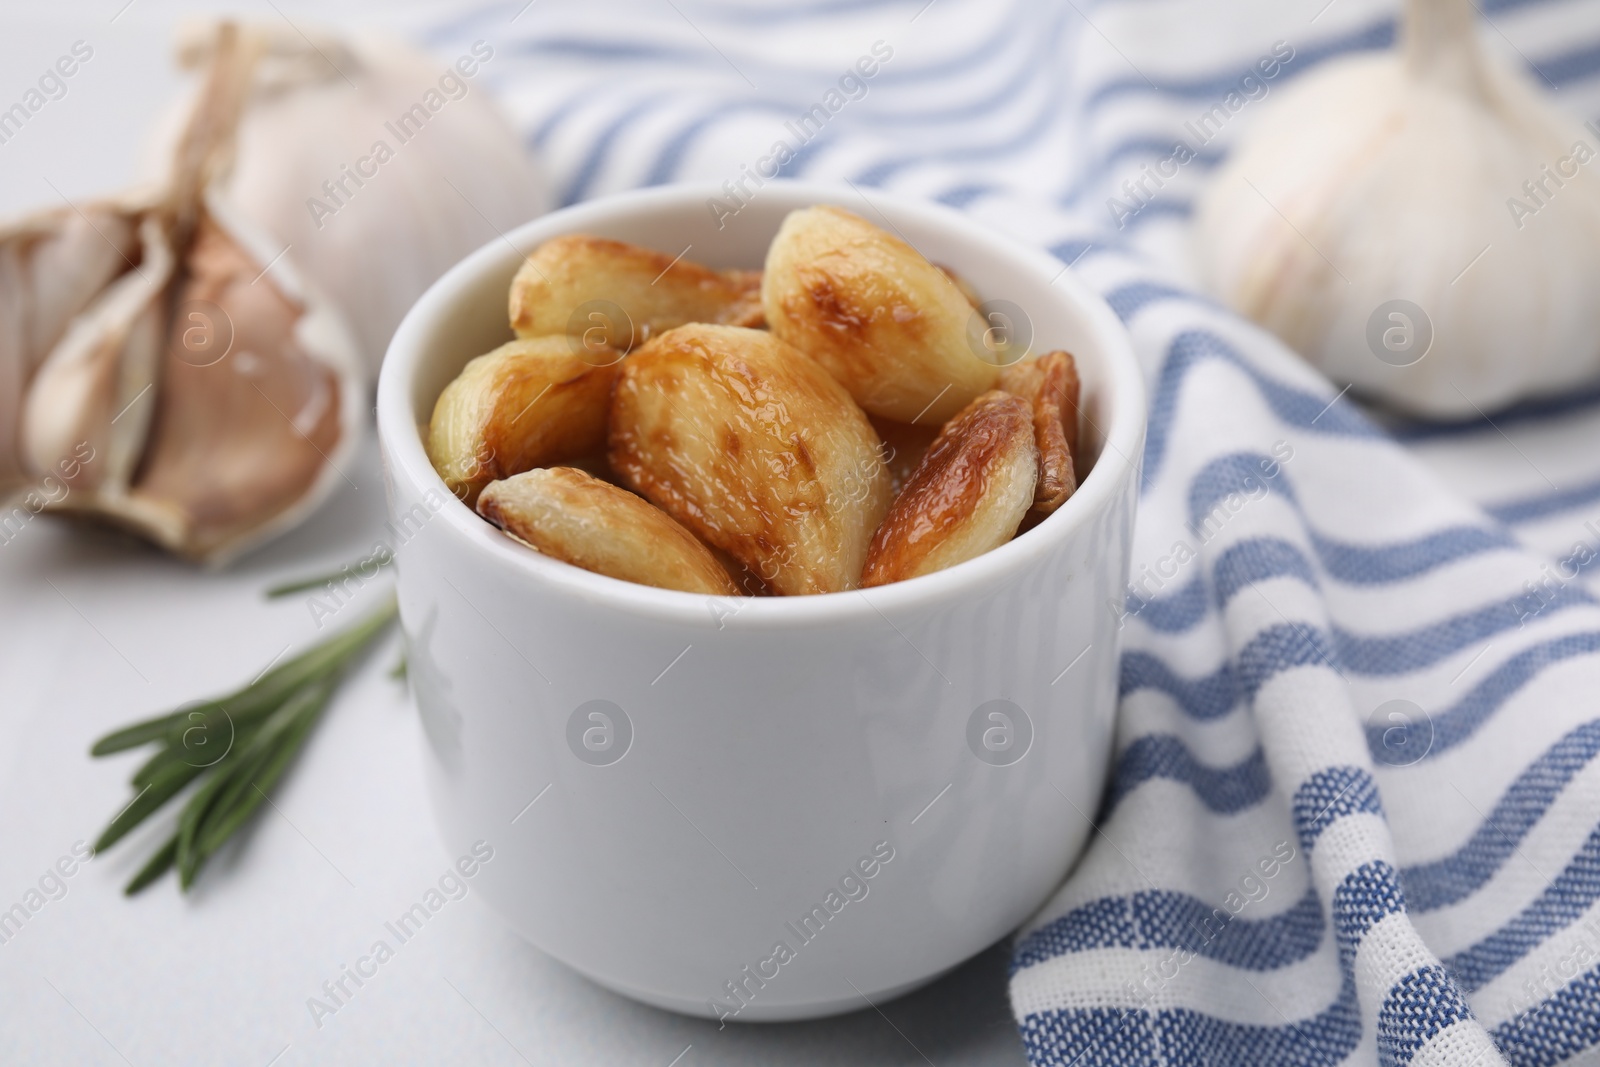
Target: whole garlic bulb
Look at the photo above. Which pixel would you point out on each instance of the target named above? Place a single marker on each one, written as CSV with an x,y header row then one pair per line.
x,y
378,167
1434,175
172,376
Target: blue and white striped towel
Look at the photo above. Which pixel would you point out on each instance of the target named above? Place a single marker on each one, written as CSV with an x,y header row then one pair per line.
x,y
1285,873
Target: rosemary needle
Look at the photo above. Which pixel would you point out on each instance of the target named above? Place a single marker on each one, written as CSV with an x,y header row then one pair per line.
x,y
301,585
260,729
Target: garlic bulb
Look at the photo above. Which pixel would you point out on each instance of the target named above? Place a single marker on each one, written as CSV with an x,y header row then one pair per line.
x,y
378,167
1421,224
171,375
163,366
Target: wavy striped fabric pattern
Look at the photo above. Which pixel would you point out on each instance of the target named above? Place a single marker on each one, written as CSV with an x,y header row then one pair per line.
x,y
1353,816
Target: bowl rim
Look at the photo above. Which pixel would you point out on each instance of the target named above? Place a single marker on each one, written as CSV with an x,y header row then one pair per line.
x,y
400,435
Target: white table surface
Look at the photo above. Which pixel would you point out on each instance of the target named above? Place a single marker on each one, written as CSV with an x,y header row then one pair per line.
x,y
97,630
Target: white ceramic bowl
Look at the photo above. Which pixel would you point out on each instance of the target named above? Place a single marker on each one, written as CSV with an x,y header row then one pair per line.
x,y
883,783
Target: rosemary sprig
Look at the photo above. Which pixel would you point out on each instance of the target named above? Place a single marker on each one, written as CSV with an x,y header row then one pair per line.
x,y
300,585
265,724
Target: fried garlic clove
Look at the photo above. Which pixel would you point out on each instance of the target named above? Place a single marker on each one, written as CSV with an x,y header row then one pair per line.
x,y
1050,385
962,284
574,285
889,325
967,497
579,519
529,403
752,446
746,310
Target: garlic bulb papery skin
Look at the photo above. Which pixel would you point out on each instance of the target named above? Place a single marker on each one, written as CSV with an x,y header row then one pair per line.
x,y
372,227
172,376
1437,175
242,450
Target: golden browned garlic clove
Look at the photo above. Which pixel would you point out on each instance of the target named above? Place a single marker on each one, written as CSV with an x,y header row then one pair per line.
x,y
756,449
889,325
579,519
746,309
1050,385
576,284
967,497
962,284
529,403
